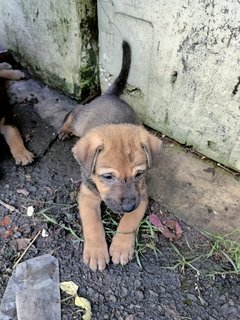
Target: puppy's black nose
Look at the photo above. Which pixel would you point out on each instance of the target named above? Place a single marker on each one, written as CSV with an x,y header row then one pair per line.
x,y
128,205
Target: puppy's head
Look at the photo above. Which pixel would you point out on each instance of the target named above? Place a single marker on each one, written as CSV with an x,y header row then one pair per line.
x,y
116,158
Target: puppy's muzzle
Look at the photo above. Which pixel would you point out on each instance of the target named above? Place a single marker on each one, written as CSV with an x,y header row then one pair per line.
x,y
126,205
129,204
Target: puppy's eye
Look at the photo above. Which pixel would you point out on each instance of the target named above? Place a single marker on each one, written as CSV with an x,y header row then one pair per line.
x,y
107,177
139,174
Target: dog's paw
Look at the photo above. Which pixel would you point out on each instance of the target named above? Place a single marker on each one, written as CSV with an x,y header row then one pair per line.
x,y
23,156
95,255
5,66
18,75
122,248
64,135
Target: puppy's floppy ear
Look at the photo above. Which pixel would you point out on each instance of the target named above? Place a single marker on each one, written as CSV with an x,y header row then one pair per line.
x,y
151,146
86,151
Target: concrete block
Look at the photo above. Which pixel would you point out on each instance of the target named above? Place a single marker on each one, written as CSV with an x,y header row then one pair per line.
x,y
33,291
199,192
56,39
185,71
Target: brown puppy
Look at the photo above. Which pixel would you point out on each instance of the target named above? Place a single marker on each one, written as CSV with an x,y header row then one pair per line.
x,y
7,129
114,153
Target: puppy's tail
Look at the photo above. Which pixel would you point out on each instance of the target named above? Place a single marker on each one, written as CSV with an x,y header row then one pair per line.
x,y
119,84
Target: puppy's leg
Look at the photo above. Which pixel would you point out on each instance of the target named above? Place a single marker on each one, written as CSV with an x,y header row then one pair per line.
x,y
95,252
5,65
66,129
12,74
123,243
12,136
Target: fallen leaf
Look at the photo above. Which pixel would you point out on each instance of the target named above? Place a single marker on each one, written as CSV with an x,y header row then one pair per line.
x,y
21,243
23,191
9,232
154,219
84,304
30,211
175,226
5,221
71,288
7,206
171,229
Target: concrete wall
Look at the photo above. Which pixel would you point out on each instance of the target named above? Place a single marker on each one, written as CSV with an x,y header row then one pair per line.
x,y
56,39
185,71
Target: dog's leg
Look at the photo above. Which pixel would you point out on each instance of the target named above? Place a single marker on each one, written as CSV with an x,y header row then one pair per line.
x,y
12,136
123,243
5,65
12,74
69,124
66,130
95,252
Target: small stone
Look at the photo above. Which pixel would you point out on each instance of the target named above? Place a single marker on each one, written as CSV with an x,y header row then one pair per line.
x,y
231,302
124,292
112,298
100,297
153,293
192,297
160,309
90,292
137,284
139,295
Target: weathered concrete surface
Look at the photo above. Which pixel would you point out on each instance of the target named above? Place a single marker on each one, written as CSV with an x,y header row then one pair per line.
x,y
185,71
57,40
33,291
198,191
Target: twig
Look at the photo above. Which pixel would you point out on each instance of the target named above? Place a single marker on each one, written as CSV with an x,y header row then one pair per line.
x,y
24,252
8,206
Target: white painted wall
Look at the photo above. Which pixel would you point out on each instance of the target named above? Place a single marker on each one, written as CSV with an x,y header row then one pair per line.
x,y
199,41
54,39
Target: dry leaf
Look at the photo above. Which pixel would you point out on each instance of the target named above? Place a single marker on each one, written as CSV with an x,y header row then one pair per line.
x,y
84,304
154,219
23,191
71,288
7,206
22,243
175,226
5,221
9,233
30,211
170,228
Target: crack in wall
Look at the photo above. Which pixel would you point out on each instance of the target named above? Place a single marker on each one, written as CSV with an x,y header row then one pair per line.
x,y
235,90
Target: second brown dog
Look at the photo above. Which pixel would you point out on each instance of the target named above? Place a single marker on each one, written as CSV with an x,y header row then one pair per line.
x,y
114,153
7,128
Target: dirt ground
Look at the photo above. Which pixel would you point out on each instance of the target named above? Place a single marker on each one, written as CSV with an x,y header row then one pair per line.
x,y
165,287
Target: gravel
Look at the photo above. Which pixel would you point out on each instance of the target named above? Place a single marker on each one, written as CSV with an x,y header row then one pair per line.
x,y
131,292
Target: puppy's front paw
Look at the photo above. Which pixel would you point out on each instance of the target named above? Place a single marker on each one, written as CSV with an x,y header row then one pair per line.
x,y
5,66
23,156
122,248
18,75
64,134
95,254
